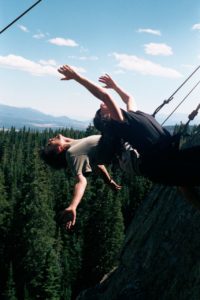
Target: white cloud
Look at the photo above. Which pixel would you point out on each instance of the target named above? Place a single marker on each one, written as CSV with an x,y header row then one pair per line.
x,y
51,62
148,30
84,57
196,26
63,42
39,36
187,66
145,67
88,58
22,64
79,69
158,49
23,28
118,72
40,68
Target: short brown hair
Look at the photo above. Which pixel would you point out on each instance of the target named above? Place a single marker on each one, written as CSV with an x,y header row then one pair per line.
x,y
53,158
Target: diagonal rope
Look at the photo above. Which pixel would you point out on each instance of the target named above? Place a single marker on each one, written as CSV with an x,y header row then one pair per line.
x,y
15,20
181,102
172,96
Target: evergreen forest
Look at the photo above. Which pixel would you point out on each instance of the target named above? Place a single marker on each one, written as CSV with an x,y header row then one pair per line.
x,y
39,259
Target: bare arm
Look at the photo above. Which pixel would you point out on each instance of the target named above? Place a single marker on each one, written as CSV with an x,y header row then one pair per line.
x,y
79,189
107,178
96,90
126,98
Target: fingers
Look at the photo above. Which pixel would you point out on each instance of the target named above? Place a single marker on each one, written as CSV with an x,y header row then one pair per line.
x,y
118,188
71,220
67,219
70,224
101,79
65,70
115,186
106,79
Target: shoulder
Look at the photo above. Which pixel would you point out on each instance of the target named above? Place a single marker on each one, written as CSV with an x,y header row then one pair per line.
x,y
84,145
92,138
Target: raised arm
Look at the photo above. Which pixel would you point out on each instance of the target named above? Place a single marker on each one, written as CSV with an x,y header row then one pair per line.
x,y
126,98
96,90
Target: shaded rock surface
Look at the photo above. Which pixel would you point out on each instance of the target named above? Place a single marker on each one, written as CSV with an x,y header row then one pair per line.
x,y
160,257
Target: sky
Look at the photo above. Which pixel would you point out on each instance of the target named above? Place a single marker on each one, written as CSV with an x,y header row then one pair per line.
x,y
149,47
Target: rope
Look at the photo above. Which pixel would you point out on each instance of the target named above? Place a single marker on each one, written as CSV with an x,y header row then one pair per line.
x,y
192,116
172,96
181,102
15,20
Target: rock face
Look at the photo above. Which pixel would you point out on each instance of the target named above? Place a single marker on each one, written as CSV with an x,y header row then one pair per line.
x,y
160,258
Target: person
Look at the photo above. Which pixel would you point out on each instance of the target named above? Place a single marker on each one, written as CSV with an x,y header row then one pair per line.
x,y
81,156
161,160
188,192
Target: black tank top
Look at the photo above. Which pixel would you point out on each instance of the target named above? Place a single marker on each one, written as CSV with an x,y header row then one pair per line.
x,y
140,130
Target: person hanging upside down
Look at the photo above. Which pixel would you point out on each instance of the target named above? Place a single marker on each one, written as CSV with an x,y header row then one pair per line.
x,y
160,158
82,157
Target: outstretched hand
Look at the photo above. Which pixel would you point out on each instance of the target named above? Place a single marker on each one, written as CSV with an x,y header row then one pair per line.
x,y
107,80
114,186
68,217
68,72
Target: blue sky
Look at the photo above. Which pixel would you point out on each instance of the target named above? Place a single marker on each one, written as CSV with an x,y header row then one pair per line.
x,y
148,46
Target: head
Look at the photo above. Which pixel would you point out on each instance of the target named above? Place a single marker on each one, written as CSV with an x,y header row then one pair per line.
x,y
54,153
102,117
105,112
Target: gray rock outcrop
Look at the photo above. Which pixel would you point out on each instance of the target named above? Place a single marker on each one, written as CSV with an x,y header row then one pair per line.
x,y
160,257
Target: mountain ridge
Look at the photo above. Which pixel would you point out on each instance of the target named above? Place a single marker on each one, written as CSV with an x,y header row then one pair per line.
x,y
19,117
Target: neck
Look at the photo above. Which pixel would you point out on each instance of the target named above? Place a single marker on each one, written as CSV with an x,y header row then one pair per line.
x,y
67,145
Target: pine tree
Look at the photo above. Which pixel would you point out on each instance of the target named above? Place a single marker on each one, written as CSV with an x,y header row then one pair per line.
x,y
37,238
52,276
103,235
10,293
5,221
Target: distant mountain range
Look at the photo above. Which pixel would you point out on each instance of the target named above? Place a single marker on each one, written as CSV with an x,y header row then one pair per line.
x,y
17,117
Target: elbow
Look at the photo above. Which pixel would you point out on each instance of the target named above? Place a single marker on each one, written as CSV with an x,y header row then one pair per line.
x,y
107,99
81,179
85,182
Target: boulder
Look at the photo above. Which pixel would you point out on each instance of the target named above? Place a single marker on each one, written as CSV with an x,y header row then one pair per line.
x,y
160,256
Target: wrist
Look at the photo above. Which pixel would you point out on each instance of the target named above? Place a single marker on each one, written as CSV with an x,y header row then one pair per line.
x,y
78,78
116,88
72,207
107,180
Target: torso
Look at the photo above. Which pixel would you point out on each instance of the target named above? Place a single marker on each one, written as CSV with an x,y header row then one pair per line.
x,y
84,154
139,129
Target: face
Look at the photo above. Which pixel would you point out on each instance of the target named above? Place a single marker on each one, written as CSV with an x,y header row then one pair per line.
x,y
56,142
104,111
